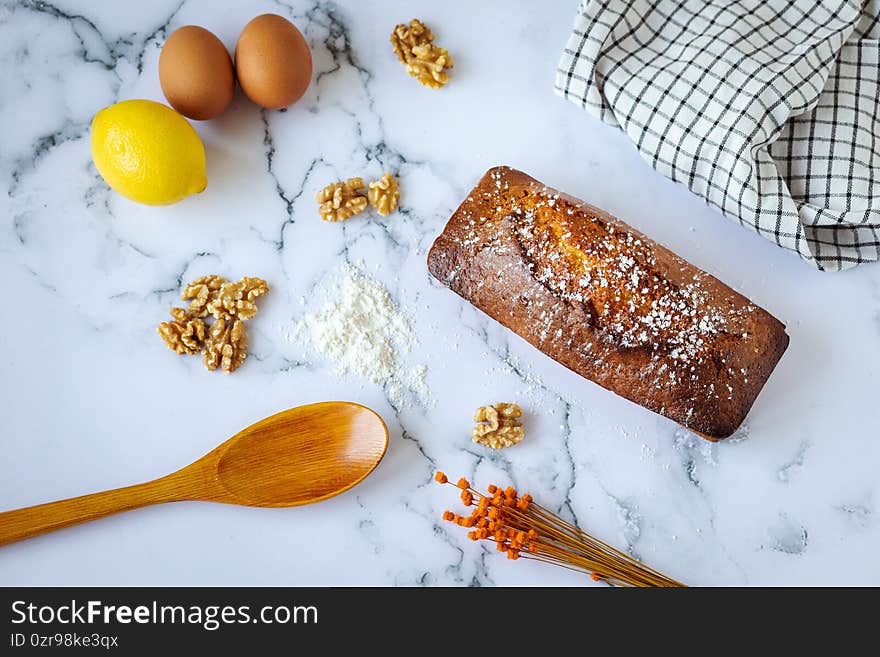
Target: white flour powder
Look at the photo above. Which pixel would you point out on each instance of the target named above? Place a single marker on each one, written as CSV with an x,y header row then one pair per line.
x,y
363,332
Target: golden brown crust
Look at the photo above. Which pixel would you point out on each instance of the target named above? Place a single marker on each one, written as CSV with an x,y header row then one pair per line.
x,y
608,303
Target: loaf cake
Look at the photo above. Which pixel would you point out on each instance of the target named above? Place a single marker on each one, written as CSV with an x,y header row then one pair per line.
x,y
609,303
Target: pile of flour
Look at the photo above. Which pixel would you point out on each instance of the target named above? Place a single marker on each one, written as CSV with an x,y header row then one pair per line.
x,y
364,333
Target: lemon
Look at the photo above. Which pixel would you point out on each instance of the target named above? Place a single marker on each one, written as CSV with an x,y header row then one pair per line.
x,y
148,152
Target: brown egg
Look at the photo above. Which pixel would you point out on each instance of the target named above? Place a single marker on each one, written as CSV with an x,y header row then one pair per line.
x,y
196,73
273,62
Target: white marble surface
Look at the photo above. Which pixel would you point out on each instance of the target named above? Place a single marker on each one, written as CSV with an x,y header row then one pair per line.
x,y
92,399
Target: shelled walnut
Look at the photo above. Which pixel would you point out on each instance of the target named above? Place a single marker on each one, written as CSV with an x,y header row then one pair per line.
x,y
414,47
226,346
405,37
185,334
498,426
428,65
383,194
339,201
238,299
201,292
224,342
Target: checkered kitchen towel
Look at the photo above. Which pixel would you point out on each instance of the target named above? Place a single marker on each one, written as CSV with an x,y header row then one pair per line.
x,y
768,109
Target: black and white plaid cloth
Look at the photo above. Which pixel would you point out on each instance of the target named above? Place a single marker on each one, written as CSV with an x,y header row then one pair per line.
x,y
768,109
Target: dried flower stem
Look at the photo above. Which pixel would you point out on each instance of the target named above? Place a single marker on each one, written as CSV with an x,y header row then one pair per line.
x,y
522,528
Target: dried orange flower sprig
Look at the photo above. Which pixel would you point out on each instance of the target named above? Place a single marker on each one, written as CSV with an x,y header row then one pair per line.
x,y
522,528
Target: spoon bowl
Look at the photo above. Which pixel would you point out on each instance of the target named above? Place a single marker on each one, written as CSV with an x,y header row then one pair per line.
x,y
298,456
302,455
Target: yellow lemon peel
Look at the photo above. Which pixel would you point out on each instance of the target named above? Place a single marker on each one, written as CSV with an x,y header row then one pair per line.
x,y
148,152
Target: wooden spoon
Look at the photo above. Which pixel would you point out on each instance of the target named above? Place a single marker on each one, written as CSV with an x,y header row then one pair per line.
x,y
301,455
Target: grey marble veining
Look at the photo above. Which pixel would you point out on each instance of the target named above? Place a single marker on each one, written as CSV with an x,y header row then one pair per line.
x,y
92,399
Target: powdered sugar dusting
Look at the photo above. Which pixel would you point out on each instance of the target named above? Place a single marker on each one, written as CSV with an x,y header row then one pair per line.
x,y
613,275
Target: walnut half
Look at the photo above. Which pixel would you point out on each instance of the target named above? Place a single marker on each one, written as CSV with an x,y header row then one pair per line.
x,y
405,37
226,346
498,426
428,65
414,47
339,201
185,334
383,194
201,292
238,299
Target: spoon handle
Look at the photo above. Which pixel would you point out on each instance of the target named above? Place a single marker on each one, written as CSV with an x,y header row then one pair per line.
x,y
32,521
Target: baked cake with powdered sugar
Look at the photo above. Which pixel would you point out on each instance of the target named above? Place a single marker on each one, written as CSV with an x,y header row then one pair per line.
x,y
608,303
